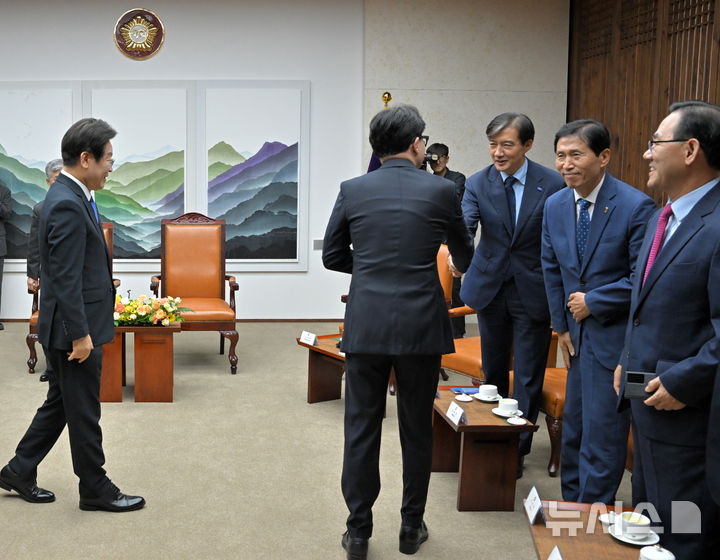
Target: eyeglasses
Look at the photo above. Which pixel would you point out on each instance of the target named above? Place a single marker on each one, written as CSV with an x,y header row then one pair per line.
x,y
424,139
652,142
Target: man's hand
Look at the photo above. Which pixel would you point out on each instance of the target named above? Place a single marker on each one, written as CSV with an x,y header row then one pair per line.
x,y
616,379
576,305
566,347
32,284
81,349
454,271
661,399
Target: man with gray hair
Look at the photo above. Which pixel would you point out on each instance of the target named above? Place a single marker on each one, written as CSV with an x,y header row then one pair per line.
x,y
52,170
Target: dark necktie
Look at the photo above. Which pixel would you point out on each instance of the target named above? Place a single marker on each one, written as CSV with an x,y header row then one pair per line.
x,y
94,207
658,239
583,228
510,193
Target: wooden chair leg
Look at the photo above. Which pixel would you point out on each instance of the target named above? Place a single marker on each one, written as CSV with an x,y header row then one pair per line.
x,y
554,426
222,344
444,375
30,340
232,336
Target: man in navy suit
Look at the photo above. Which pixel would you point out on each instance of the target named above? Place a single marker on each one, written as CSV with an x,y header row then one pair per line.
x,y
592,232
75,320
504,282
385,230
673,330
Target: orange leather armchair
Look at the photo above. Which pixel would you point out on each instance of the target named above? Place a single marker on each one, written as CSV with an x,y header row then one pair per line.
x,y
192,265
32,336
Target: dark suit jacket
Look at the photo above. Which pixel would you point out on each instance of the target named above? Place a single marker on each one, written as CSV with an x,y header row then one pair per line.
x,y
77,296
459,180
485,203
5,213
395,218
616,234
33,256
713,445
674,323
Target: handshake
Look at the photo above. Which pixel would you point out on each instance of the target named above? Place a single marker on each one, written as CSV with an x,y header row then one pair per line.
x,y
455,272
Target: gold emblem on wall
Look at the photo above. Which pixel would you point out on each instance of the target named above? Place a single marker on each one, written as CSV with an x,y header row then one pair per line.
x,y
139,34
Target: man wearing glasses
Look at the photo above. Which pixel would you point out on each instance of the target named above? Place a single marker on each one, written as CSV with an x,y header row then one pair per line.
x,y
440,154
673,331
385,230
504,283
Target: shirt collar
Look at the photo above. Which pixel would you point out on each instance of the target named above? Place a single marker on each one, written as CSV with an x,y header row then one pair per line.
x,y
520,175
79,183
592,197
683,205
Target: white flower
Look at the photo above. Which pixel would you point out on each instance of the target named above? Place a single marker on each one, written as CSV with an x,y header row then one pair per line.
x,y
166,322
125,301
178,300
168,306
116,316
133,316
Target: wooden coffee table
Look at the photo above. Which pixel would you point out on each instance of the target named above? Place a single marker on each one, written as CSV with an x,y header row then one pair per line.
x,y
153,364
325,369
484,452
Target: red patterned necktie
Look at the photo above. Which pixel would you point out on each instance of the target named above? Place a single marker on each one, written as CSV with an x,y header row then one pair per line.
x,y
657,240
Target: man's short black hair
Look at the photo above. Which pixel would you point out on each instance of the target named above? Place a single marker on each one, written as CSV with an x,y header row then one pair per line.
x,y
518,121
86,135
701,121
438,149
394,130
594,133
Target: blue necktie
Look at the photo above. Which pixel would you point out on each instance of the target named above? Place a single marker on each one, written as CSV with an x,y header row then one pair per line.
x,y
510,193
583,228
94,207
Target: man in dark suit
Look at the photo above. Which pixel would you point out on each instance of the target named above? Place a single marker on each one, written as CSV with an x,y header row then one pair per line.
x,y
52,170
395,219
504,283
76,319
441,156
5,213
592,232
673,330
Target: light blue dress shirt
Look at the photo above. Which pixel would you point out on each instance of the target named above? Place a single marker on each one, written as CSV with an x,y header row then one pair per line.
x,y
518,186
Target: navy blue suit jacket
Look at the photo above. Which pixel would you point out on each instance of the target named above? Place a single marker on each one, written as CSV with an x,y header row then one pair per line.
x,y
395,218
620,215
485,203
674,324
77,294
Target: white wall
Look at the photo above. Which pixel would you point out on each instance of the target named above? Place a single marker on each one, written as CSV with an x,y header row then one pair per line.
x,y
316,40
460,62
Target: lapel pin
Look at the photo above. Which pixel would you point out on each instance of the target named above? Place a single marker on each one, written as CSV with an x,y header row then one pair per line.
x,y
539,188
606,209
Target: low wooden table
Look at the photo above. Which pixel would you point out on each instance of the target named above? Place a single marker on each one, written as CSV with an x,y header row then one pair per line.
x,y
153,364
325,369
484,452
587,540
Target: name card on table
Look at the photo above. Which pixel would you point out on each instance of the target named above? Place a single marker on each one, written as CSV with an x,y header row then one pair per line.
x,y
308,338
533,506
456,414
555,554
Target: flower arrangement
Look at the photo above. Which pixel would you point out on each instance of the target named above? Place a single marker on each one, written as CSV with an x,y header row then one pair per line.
x,y
147,311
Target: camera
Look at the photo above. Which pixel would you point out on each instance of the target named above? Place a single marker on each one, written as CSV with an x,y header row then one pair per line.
x,y
431,157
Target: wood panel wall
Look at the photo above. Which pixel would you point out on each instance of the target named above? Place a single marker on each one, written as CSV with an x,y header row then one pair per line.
x,y
630,59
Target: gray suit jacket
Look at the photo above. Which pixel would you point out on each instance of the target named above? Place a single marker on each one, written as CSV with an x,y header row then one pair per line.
x,y
395,218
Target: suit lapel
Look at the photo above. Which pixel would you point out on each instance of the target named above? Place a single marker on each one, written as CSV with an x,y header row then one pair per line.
x,y
690,226
533,193
604,207
498,198
569,221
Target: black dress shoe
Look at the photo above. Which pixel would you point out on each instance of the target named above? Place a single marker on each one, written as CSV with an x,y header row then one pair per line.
x,y
27,489
2,327
44,377
356,547
412,537
115,502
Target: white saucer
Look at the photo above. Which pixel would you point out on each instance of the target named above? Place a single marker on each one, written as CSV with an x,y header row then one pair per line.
x,y
651,538
496,398
463,398
515,421
496,412
607,518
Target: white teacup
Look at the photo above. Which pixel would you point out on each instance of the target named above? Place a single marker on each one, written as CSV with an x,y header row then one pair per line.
x,y
634,525
487,392
507,406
